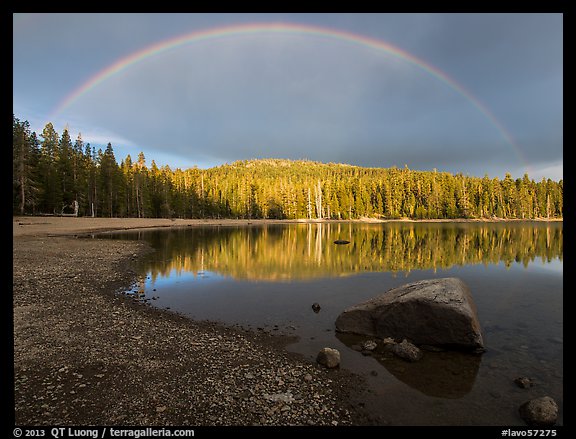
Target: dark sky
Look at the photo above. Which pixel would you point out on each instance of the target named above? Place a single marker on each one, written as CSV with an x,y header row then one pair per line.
x,y
493,105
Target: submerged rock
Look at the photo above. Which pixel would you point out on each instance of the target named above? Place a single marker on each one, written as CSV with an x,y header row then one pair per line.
x,y
369,345
524,382
539,412
329,357
432,312
406,350
448,374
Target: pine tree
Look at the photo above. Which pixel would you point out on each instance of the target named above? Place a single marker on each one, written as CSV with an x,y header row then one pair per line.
x,y
65,170
79,174
24,167
50,184
109,183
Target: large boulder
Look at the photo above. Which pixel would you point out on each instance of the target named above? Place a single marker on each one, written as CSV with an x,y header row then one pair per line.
x,y
431,312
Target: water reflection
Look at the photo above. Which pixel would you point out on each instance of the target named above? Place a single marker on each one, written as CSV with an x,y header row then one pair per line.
x,y
448,374
270,276
308,251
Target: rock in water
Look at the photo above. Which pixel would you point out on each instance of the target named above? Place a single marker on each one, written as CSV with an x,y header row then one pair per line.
x,y
407,351
316,307
341,242
539,412
524,382
432,312
329,357
369,345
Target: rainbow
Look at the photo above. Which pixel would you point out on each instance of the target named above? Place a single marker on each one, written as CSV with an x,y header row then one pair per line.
x,y
282,28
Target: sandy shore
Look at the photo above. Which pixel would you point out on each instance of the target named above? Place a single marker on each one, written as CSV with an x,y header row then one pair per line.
x,y
51,225
84,355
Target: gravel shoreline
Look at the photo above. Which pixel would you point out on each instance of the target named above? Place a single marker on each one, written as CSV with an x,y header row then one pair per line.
x,y
84,355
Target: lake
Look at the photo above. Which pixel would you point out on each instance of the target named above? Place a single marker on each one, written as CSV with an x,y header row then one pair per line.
x,y
266,277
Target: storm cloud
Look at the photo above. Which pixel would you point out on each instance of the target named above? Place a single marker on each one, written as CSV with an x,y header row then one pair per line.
x,y
299,96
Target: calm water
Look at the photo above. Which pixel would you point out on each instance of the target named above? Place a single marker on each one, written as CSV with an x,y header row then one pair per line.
x,y
269,276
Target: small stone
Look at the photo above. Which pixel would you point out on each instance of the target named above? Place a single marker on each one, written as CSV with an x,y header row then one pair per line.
x,y
329,357
283,397
524,382
160,409
407,351
316,307
539,412
369,345
249,375
308,377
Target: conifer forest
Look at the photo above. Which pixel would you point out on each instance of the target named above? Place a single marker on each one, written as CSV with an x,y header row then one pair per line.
x,y
55,175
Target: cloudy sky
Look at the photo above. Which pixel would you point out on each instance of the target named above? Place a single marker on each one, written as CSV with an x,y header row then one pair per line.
x,y
472,93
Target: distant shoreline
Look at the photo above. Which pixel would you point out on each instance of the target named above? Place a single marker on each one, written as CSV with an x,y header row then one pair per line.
x,y
56,225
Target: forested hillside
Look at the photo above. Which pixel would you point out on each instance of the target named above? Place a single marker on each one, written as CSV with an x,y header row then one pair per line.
x,y
51,173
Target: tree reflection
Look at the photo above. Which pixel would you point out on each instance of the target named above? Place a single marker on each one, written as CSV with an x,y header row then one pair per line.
x,y
304,251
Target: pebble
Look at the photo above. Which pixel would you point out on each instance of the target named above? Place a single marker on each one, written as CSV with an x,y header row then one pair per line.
x,y
369,345
524,382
